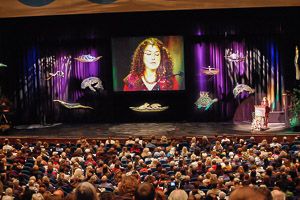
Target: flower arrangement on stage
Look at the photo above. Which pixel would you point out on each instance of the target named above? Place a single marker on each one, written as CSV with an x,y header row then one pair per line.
x,y
256,124
295,108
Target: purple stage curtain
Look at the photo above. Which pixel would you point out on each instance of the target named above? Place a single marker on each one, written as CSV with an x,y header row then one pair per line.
x,y
259,67
34,98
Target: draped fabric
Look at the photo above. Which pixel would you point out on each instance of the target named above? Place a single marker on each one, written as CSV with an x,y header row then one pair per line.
x,y
21,8
258,67
39,89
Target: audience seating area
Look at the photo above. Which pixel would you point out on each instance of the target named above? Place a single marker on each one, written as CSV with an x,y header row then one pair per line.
x,y
205,168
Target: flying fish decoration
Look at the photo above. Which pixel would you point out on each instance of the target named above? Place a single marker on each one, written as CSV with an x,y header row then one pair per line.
x,y
87,58
204,101
210,71
2,65
72,105
239,88
58,74
93,83
234,57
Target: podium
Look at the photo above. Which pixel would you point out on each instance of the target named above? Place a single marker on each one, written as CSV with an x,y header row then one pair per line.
x,y
259,119
260,111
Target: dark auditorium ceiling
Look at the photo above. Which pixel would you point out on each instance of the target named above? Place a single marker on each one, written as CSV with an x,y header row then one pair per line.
x,y
21,8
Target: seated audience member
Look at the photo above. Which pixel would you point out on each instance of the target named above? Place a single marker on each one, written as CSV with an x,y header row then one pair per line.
x,y
222,195
86,191
8,194
70,196
247,193
127,187
275,143
105,184
59,193
178,195
17,189
37,196
145,191
130,141
194,166
278,195
160,195
107,196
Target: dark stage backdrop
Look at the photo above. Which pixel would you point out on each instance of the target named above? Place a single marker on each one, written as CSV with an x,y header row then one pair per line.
x,y
222,49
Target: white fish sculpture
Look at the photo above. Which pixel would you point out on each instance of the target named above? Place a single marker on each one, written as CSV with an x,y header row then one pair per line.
x,y
93,83
72,105
146,107
210,71
3,65
235,57
58,73
239,88
87,58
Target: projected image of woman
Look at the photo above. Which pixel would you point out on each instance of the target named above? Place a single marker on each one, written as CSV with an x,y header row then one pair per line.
x,y
151,68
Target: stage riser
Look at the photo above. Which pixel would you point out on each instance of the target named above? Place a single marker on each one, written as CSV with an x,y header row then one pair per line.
x,y
276,117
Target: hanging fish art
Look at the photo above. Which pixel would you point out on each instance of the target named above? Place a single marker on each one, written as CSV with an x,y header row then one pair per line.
x,y
87,58
204,101
239,88
93,83
72,105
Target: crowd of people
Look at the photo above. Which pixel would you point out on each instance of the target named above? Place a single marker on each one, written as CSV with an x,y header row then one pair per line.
x,y
154,168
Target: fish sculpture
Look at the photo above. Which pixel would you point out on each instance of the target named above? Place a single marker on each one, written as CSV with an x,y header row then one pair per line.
x,y
239,88
87,58
146,107
93,83
234,57
58,73
204,101
72,105
3,65
210,71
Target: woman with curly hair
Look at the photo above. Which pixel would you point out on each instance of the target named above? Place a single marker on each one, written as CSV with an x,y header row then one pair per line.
x,y
151,68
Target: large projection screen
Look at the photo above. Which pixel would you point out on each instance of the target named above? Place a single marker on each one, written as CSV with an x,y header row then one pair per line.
x,y
153,63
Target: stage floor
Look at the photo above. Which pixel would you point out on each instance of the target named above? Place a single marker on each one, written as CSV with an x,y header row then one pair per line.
x,y
124,130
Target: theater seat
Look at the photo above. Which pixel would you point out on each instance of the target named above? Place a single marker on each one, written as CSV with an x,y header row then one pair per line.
x,y
170,173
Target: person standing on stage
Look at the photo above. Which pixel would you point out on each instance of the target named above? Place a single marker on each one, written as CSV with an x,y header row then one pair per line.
x,y
297,62
4,109
265,103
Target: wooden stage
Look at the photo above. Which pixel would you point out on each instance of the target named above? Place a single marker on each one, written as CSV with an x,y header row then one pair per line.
x,y
145,130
